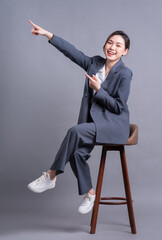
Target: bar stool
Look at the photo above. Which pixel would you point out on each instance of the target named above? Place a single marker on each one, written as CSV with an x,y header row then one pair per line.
x,y
132,140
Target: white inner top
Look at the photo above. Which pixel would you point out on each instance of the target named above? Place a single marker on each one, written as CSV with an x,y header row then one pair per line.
x,y
101,75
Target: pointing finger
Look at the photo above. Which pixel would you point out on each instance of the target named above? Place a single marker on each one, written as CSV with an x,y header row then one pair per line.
x,y
88,77
32,23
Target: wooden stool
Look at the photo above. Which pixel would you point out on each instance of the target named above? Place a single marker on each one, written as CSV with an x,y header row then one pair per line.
x,y
132,140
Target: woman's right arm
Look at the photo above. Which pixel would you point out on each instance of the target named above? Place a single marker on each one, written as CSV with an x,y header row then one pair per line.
x,y
63,46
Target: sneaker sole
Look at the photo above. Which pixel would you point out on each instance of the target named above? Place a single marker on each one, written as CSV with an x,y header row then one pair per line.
x,y
39,191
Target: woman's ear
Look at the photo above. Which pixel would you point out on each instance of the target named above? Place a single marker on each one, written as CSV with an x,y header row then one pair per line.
x,y
125,52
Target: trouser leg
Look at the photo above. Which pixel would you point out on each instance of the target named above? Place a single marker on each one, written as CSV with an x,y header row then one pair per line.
x,y
81,169
75,148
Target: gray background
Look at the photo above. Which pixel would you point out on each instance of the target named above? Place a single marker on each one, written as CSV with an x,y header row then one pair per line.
x,y
40,93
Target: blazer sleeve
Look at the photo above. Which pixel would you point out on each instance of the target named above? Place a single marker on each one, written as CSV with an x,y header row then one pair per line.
x,y
117,103
71,52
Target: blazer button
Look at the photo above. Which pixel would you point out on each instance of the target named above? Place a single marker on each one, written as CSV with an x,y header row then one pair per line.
x,y
85,94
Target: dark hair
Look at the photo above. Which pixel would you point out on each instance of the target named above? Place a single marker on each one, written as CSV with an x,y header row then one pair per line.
x,y
123,35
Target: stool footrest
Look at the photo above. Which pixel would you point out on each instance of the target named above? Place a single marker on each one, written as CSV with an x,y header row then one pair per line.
x,y
113,203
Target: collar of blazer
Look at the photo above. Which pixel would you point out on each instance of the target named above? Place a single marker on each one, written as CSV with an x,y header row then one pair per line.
x,y
109,81
98,64
117,66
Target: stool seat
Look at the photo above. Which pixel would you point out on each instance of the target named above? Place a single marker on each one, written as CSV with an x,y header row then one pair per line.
x,y
132,140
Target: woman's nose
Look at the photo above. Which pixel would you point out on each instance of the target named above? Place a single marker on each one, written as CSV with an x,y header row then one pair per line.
x,y
112,46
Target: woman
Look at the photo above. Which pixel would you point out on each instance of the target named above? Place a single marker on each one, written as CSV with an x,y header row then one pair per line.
x,y
104,115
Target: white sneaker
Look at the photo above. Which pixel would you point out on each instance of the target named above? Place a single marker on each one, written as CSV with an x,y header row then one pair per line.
x,y
42,184
87,204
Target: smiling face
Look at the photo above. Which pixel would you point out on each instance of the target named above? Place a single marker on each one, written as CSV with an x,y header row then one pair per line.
x,y
114,48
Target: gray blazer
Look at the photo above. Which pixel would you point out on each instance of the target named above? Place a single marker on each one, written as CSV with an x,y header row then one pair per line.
x,y
108,107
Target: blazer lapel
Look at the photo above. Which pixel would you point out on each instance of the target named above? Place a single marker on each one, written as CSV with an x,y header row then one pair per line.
x,y
99,65
109,79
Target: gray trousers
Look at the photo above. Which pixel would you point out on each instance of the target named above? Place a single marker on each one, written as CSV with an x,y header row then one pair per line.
x,y
76,148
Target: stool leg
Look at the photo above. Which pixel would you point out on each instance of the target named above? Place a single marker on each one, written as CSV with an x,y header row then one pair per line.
x,y
98,191
127,190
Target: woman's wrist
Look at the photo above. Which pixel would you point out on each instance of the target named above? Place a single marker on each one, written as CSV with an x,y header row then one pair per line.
x,y
49,35
98,88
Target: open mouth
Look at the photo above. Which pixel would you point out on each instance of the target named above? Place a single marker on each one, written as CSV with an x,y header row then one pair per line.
x,y
110,53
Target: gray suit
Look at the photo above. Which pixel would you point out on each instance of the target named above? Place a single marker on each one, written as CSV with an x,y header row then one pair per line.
x,y
106,112
108,109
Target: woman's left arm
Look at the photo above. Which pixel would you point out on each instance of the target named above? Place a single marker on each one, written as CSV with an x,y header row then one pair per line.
x,y
117,103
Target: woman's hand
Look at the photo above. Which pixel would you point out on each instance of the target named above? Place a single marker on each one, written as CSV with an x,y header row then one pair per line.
x,y
40,31
94,82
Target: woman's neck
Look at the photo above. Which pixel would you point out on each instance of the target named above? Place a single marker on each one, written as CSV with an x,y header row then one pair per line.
x,y
108,65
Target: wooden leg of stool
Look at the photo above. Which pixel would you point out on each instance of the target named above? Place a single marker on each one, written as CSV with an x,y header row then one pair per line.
x,y
127,190
98,191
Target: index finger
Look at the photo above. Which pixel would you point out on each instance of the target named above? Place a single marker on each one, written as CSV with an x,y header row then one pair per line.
x,y
88,76
34,25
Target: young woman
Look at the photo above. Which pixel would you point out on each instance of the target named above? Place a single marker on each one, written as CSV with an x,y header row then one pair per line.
x,y
104,115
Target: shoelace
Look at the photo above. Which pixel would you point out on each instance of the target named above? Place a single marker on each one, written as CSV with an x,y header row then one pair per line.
x,y
87,196
85,199
42,179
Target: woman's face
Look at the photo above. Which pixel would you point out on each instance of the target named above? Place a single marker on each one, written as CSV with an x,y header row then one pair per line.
x,y
115,48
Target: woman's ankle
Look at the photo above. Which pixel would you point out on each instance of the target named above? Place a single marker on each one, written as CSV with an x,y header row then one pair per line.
x,y
52,174
91,191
